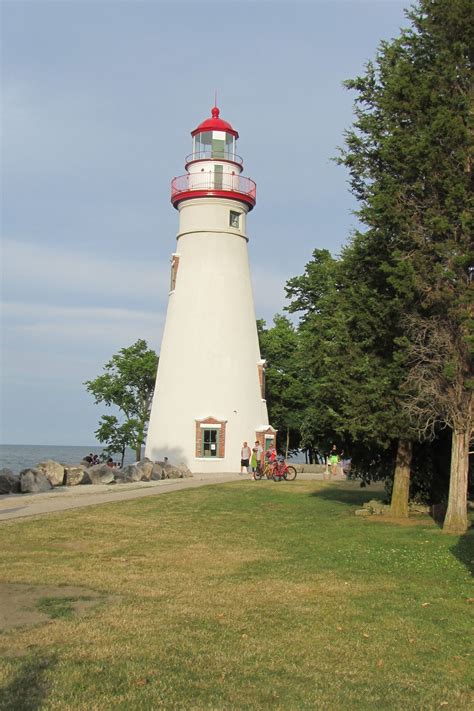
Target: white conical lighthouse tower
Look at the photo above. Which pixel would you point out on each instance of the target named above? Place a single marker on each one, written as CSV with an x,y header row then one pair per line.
x,y
209,396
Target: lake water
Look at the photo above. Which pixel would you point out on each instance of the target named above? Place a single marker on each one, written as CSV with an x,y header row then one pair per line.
x,y
21,456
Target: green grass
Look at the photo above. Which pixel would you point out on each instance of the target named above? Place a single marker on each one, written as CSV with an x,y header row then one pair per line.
x,y
56,607
251,595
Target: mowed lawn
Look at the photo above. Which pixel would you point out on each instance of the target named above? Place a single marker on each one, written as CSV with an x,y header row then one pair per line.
x,y
250,595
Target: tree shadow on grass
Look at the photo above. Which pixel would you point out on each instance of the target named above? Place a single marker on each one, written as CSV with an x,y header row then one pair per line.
x,y
352,497
28,688
464,550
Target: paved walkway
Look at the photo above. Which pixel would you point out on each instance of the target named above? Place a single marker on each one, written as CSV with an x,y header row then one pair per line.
x,y
64,498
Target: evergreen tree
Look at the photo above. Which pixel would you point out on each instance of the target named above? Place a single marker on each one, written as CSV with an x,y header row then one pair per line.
x,y
347,329
409,160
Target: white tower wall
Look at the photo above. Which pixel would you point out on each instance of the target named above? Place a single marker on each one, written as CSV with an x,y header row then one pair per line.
x,y
210,354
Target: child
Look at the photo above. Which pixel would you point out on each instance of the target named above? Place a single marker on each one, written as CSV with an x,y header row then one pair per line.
x,y
255,462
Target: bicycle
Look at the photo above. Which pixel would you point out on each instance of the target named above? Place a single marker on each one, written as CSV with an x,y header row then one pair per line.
x,y
266,472
282,470
277,471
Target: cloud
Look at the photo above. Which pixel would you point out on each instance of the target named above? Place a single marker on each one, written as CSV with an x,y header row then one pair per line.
x,y
36,272
69,343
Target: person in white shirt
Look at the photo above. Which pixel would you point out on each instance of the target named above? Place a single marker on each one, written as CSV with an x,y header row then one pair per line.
x,y
245,455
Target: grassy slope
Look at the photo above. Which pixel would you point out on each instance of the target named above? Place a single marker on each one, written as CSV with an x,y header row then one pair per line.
x,y
246,596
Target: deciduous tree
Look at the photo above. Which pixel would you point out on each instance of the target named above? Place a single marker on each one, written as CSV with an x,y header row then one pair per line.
x,y
284,389
127,383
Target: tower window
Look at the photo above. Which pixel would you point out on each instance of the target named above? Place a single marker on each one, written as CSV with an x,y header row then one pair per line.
x,y
174,271
234,219
261,377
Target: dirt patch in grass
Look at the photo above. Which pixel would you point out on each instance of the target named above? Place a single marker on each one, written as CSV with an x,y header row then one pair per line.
x,y
23,605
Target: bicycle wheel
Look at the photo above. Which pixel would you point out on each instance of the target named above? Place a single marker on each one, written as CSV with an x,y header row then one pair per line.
x,y
275,477
290,474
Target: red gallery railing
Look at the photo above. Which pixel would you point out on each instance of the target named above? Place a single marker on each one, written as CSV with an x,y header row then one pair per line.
x,y
213,184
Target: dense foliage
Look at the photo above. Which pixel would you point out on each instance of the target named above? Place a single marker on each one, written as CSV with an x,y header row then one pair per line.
x,y
386,330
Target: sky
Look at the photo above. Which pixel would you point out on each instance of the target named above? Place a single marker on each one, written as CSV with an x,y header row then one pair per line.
x,y
99,98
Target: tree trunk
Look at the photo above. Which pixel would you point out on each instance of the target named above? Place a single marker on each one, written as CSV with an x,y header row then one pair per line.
x,y
139,441
123,457
456,515
287,442
401,479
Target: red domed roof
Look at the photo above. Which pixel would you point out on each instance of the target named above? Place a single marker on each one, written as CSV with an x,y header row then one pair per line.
x,y
215,124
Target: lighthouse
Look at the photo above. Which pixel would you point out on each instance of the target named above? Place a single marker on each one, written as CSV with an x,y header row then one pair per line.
x,y
210,386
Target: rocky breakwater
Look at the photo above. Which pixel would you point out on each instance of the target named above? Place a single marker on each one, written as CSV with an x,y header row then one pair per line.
x,y
50,474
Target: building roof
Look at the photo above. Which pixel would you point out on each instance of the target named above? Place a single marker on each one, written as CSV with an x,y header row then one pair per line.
x,y
214,124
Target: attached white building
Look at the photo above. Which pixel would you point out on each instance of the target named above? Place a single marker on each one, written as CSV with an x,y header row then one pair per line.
x,y
210,387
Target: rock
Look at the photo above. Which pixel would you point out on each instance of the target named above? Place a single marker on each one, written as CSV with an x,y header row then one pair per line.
x,y
128,474
172,472
376,507
146,468
157,472
165,470
9,482
75,475
363,512
185,471
53,470
100,474
33,481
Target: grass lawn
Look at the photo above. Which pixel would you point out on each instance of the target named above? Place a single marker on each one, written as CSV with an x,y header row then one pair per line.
x,y
250,595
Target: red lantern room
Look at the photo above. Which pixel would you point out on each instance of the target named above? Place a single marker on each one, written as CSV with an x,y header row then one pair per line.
x,y
214,168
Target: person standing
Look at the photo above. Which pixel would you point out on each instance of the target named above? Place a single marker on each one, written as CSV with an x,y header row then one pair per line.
x,y
333,459
245,455
270,456
256,461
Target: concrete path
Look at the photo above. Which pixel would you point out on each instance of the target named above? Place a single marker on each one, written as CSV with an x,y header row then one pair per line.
x,y
64,498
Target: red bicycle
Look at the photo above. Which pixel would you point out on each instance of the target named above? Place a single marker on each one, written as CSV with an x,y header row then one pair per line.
x,y
277,471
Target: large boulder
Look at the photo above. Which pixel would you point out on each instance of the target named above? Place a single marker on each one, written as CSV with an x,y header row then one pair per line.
x,y
100,474
146,468
128,474
53,470
9,482
185,471
157,472
173,471
33,481
75,475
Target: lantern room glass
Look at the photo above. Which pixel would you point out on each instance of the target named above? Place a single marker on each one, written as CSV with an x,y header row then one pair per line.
x,y
214,145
